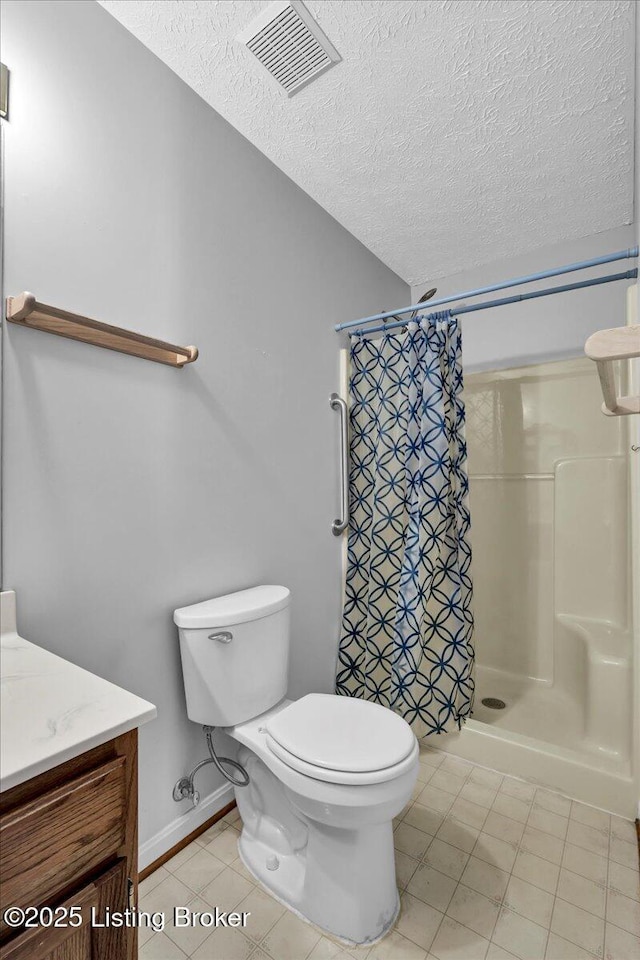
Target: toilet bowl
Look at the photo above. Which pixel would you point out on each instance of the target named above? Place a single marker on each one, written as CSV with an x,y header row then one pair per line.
x,y
327,773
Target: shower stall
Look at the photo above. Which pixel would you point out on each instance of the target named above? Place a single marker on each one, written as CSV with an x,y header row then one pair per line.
x,y
552,490
554,495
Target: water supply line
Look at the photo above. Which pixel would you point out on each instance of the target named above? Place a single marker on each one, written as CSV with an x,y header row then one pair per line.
x,y
185,787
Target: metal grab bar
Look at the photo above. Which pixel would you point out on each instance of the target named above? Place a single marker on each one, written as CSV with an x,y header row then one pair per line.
x,y
337,403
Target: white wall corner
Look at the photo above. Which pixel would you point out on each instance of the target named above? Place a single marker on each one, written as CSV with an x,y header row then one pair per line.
x,y
183,825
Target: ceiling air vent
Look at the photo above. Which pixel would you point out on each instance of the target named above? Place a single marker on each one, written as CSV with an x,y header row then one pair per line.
x,y
289,44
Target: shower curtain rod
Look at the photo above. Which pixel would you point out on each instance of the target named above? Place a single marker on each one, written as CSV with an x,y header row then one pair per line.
x,y
456,312
629,254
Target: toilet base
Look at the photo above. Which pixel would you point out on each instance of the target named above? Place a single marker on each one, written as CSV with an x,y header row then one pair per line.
x,y
340,878
290,877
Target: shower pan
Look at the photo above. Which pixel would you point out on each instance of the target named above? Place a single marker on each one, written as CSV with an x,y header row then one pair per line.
x,y
551,486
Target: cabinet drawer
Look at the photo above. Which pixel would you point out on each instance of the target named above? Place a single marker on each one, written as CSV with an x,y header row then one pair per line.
x,y
50,842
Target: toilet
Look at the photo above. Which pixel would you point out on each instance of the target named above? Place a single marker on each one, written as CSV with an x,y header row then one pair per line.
x,y
327,773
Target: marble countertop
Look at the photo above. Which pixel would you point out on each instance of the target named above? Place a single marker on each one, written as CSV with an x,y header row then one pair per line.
x,y
50,709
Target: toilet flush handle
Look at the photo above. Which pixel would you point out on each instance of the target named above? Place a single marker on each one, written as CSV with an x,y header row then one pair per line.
x,y
223,637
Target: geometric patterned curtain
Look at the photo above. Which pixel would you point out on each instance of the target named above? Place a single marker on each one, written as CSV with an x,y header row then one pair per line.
x,y
407,622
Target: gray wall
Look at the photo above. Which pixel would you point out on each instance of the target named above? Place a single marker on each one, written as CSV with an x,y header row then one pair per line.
x,y
549,328
132,488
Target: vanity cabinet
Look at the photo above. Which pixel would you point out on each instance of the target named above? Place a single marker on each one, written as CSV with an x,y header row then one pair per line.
x,y
68,838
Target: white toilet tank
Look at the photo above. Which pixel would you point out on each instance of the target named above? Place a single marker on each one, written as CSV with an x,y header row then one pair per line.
x,y
235,654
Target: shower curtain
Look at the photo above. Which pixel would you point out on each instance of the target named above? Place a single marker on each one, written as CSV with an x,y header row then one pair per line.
x,y
407,622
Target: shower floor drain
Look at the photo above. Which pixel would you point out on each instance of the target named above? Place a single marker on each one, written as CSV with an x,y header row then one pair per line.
x,y
493,703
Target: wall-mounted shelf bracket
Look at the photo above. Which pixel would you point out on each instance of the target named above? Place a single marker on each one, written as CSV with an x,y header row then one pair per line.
x,y
605,346
26,311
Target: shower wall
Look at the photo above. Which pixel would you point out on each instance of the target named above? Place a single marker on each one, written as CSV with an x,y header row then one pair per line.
x,y
549,497
547,479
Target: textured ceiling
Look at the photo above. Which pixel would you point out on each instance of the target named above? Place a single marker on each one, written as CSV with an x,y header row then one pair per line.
x,y
453,134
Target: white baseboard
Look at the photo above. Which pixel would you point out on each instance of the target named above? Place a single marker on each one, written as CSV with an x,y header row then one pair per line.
x,y
183,825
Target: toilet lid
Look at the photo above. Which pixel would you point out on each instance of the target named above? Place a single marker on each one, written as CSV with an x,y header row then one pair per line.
x,y
342,733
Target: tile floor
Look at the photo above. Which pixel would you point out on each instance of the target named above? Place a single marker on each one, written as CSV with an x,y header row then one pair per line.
x,y
489,868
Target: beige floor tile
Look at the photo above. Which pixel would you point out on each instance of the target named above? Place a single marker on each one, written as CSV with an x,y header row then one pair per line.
x,y
357,952
485,879
182,856
518,788
224,944
542,845
264,913
624,912
144,933
547,822
595,841
461,768
234,817
160,947
418,921
488,778
189,937
448,782
324,949
624,853
522,937
146,886
512,807
529,901
431,757
473,910
424,818
226,890
624,880
213,831
396,947
436,799
403,813
541,873
477,793
447,859
290,939
410,840
498,852
431,887
623,829
620,945
405,869
590,816
259,954
468,812
504,828
169,893
499,953
582,892
458,834
199,870
456,942
578,926
590,865
425,772
225,845
560,949
554,802
244,871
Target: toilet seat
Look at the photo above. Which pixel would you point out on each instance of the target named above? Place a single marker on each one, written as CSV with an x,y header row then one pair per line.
x,y
341,739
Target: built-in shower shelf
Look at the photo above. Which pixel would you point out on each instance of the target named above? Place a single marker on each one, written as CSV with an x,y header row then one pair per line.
x,y
606,346
26,311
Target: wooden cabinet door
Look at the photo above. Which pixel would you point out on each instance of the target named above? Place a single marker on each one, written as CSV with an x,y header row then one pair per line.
x,y
86,941
58,943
